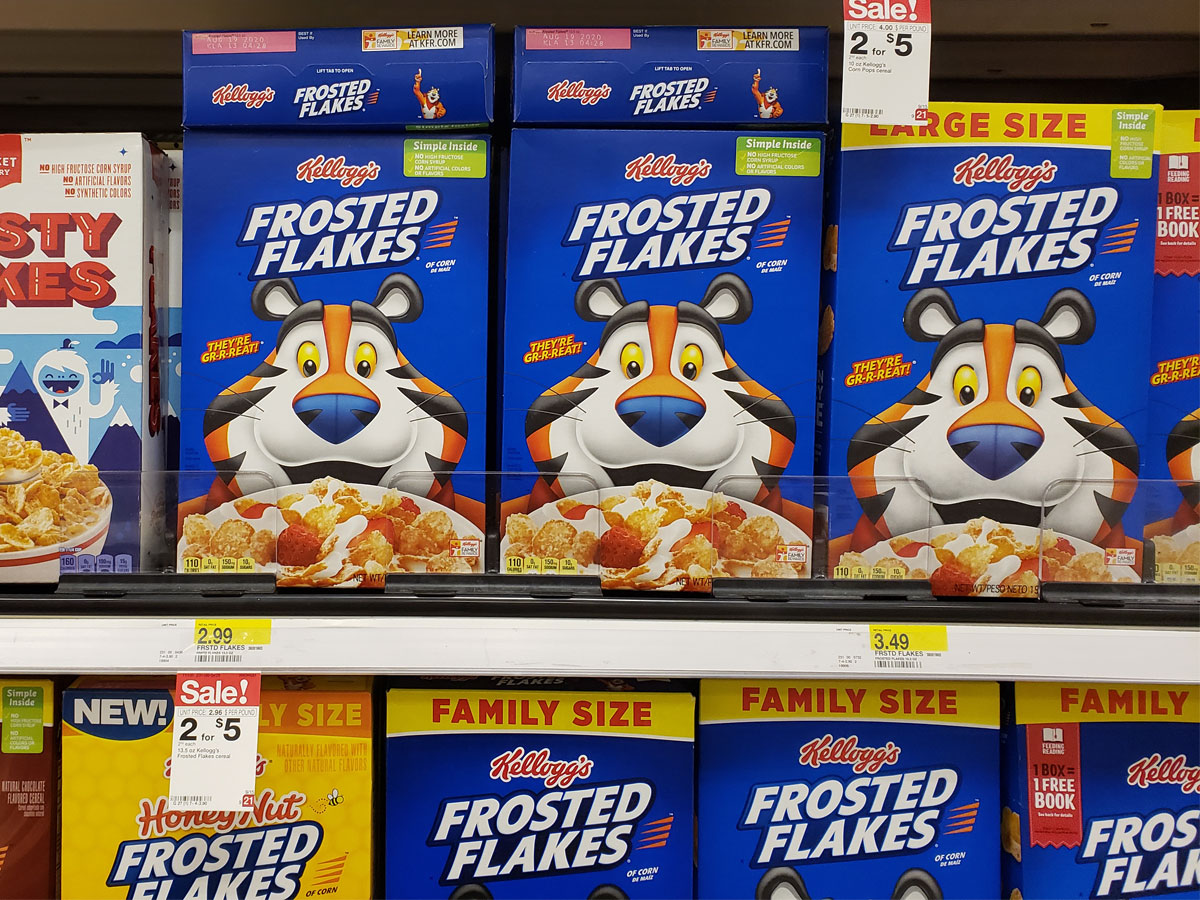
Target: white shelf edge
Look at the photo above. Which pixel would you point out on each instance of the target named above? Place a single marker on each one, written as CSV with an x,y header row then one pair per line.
x,y
425,645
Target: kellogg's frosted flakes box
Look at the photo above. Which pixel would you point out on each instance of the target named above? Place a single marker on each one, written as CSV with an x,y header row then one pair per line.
x,y
986,269
1173,451
846,789
339,78
1101,787
82,305
527,788
334,354
659,354
671,77
308,832
28,789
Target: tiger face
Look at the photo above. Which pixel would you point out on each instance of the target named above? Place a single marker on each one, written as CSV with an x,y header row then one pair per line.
x,y
660,398
994,424
771,95
433,96
337,397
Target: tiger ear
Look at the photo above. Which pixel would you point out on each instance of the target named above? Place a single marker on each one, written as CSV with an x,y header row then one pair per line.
x,y
274,299
1069,317
728,299
599,300
399,298
930,315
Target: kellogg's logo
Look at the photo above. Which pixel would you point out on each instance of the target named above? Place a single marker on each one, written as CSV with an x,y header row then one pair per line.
x,y
516,763
1157,769
651,166
242,94
1001,169
577,90
336,169
845,751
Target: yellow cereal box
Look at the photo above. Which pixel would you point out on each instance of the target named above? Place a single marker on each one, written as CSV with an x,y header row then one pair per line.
x,y
307,835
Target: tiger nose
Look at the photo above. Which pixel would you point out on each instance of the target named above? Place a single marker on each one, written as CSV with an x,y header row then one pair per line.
x,y
336,417
660,420
995,450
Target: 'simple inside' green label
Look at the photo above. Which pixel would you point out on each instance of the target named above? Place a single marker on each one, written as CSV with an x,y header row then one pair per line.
x,y
769,156
1132,143
21,719
445,157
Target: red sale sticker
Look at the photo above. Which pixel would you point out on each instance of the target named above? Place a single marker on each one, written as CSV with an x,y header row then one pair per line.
x,y
885,61
1054,790
214,743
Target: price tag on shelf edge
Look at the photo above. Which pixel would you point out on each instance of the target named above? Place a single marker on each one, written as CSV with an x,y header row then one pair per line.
x,y
214,744
915,639
230,641
885,61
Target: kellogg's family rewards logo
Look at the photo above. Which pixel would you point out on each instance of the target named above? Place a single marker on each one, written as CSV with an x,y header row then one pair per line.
x,y
1029,233
662,234
336,234
553,831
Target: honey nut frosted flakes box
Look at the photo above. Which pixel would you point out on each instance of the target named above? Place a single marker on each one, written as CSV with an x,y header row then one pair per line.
x,y
848,789
346,79
1101,791
82,301
309,832
334,355
989,288
1173,451
660,355
513,788
28,789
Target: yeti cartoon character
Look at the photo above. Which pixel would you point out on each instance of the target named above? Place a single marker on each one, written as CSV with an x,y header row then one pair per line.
x,y
63,380
431,104
769,106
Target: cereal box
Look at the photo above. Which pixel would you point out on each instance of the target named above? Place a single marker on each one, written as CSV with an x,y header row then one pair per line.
x,y
334,354
541,787
339,78
309,832
81,221
1101,791
1173,451
28,790
670,77
991,272
174,304
848,789
659,354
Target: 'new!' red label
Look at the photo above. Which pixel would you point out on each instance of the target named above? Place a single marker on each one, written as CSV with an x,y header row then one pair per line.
x,y
10,159
1054,790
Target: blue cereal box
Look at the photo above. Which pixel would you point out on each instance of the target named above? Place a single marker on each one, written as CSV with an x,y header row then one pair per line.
x,y
339,78
670,77
1101,787
531,788
659,354
334,354
987,268
848,789
82,306
1173,451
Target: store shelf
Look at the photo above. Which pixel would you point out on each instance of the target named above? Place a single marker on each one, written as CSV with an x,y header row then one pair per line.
x,y
636,637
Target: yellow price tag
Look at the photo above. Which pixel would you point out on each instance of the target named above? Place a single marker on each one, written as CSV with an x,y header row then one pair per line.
x,y
927,638
220,632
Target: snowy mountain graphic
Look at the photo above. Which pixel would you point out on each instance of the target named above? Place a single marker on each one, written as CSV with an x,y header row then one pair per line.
x,y
118,456
120,449
28,413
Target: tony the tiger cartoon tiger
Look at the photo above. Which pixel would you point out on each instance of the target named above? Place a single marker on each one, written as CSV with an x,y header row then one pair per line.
x,y
661,398
336,397
995,429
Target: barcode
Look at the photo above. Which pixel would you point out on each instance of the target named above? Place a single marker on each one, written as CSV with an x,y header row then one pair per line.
x,y
218,657
187,799
865,112
898,663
